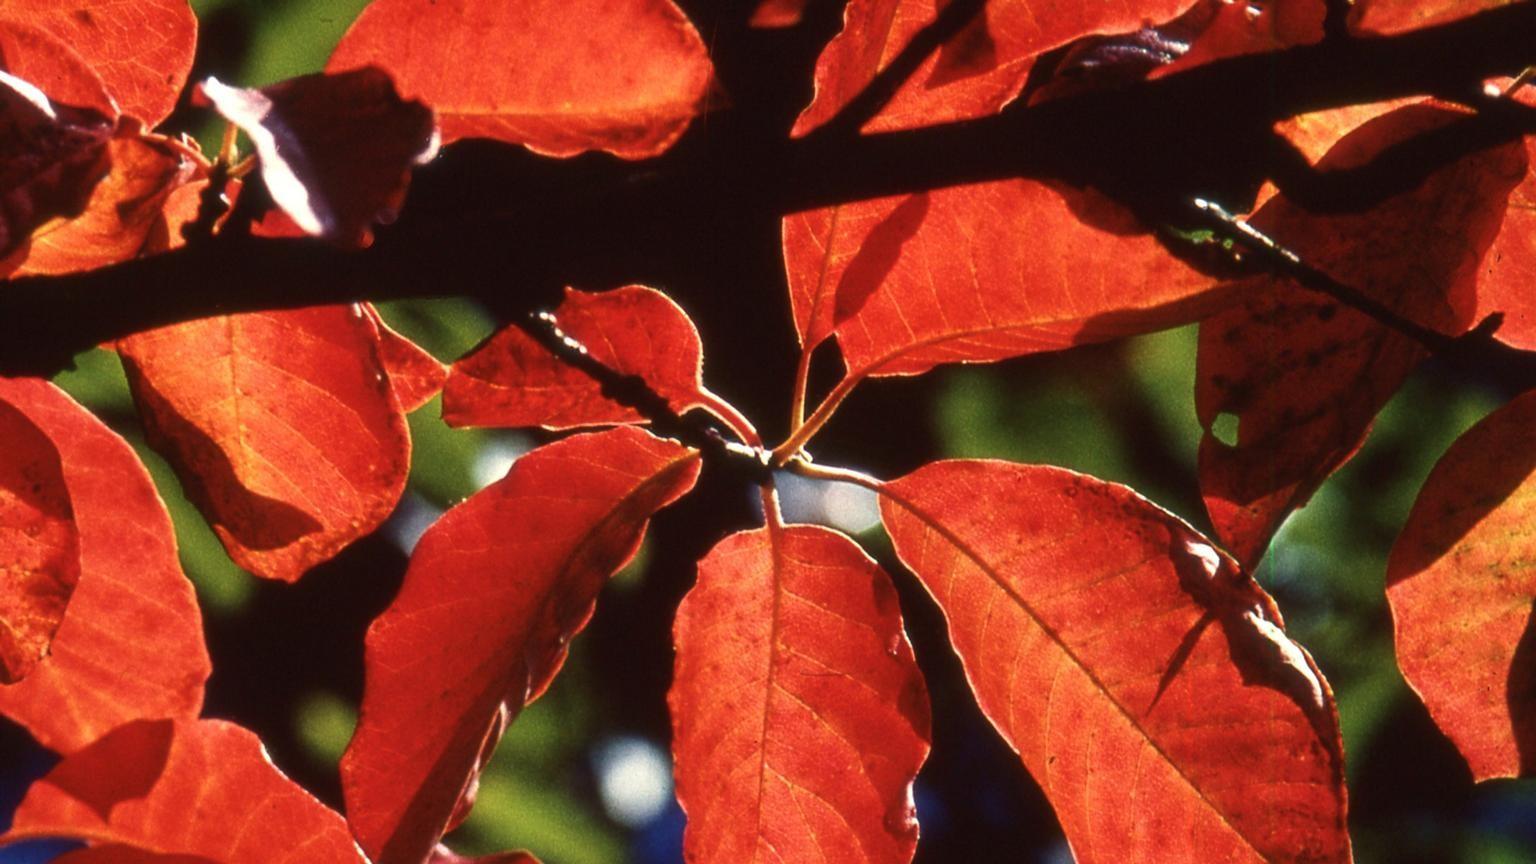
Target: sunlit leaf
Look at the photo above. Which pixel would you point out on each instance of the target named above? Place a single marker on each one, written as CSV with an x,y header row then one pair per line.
x,y
495,590
799,715
416,375
559,76
282,426
131,644
1144,680
1386,17
1462,593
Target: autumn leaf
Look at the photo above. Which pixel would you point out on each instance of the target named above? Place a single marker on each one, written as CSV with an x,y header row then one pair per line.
x,y
1461,593
558,76
142,50
415,374
1303,376
1145,681
511,380
200,788
131,645
773,14
799,715
53,66
1386,17
495,591
336,150
282,426
39,544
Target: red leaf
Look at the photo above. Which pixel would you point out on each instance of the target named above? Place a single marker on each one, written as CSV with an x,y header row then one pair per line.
x,y
1233,29
281,425
1144,680
1304,376
201,788
125,207
799,715
39,544
1509,268
32,53
1461,591
336,150
114,853
1386,17
511,380
559,76
773,14
416,375
494,592
942,277
978,73
131,645
142,50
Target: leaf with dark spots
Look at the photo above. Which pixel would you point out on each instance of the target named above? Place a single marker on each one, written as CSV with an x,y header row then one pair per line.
x,y
1303,376
282,425
182,791
336,150
1083,615
512,380
799,716
1461,589
131,643
558,76
39,543
494,593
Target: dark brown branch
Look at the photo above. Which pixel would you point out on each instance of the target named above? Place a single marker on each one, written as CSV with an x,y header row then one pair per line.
x,y
499,224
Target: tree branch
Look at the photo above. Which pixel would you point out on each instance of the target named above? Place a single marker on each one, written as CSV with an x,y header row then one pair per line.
x,y
499,224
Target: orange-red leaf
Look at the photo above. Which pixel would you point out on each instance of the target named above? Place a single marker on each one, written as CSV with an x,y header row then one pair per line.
x,y
282,426
1386,17
142,50
512,380
34,54
771,14
978,273
336,150
976,73
559,76
202,788
1302,375
131,645
1462,592
1509,268
416,375
494,592
123,209
1143,678
39,544
799,715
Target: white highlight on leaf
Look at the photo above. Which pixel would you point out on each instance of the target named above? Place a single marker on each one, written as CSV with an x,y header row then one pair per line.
x,y
28,91
249,110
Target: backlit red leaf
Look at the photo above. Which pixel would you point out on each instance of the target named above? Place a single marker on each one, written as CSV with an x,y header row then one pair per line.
x,y
559,76
336,150
199,788
1509,268
799,715
142,50
495,590
771,14
1462,593
131,644
978,273
1143,678
512,380
36,55
39,545
416,375
282,426
974,74
1303,376
1228,29
1386,17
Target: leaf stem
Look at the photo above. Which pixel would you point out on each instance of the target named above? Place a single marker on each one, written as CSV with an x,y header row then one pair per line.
x,y
805,468
730,417
813,424
802,384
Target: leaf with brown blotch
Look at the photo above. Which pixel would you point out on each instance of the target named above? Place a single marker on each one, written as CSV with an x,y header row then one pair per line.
x,y
141,50
1302,375
131,644
415,374
1145,681
975,73
512,380
494,593
124,209
39,543
336,150
1462,593
193,789
282,426
980,273
799,716
557,76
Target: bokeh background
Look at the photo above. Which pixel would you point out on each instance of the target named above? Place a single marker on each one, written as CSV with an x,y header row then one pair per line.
x,y
583,776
